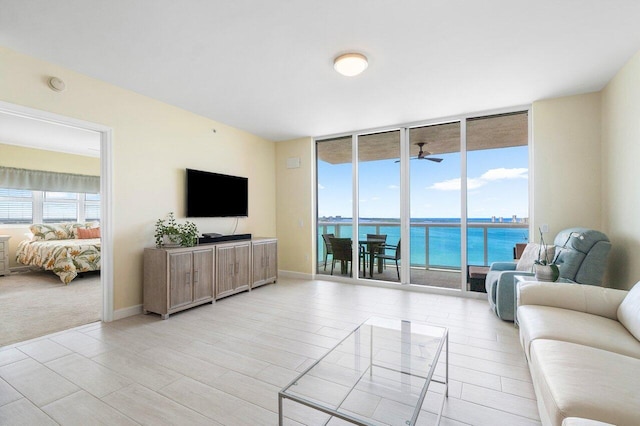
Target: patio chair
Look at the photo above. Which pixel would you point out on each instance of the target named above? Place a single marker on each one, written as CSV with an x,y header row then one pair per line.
x,y
327,248
341,252
383,256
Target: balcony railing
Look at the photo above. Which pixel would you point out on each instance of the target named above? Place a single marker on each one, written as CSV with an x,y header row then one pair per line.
x,y
437,244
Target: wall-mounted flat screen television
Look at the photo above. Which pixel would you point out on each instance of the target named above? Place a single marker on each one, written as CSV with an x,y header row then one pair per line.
x,y
216,195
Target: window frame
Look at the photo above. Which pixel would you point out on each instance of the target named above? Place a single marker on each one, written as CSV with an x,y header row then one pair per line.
x,y
38,200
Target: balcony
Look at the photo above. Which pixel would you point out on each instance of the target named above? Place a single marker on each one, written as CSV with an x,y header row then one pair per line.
x,y
435,246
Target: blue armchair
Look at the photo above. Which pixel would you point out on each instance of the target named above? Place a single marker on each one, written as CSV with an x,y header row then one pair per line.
x,y
580,254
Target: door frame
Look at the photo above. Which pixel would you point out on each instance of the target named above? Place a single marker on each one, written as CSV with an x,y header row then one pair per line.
x,y
106,190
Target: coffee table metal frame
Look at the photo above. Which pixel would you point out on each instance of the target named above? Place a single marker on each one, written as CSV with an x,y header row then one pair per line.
x,y
444,341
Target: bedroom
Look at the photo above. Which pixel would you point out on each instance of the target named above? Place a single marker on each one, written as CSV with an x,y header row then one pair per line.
x,y
59,285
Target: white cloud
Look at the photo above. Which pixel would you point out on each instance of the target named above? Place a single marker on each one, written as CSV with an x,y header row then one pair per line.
x,y
475,183
320,186
446,185
393,187
502,173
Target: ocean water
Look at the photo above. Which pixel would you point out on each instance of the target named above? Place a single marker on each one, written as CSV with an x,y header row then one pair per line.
x,y
442,247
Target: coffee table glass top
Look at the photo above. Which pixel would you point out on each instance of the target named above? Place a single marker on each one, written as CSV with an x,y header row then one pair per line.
x,y
379,374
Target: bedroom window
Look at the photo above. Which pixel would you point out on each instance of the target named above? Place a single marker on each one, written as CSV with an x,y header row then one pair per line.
x,y
91,207
19,206
60,207
16,206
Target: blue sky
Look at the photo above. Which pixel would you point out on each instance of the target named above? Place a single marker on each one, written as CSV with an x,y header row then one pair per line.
x,y
497,186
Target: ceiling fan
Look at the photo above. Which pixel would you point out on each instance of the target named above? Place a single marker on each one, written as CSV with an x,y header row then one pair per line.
x,y
422,155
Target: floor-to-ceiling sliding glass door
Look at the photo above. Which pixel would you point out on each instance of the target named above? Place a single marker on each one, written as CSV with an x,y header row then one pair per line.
x,y
334,200
497,190
379,204
433,198
434,170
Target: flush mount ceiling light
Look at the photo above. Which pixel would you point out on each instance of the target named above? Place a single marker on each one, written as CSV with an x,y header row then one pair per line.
x,y
350,64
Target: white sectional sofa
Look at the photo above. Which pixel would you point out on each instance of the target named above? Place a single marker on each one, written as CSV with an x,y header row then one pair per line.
x,y
583,347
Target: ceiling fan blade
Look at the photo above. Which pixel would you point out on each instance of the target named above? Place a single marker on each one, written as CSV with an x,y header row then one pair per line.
x,y
437,160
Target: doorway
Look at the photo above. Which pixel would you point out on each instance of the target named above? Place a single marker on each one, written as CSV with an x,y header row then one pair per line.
x,y
105,162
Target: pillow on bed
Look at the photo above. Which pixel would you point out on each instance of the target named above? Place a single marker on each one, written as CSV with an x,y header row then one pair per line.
x,y
84,234
50,231
74,227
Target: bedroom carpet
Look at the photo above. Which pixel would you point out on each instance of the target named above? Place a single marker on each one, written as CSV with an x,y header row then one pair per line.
x,y
33,304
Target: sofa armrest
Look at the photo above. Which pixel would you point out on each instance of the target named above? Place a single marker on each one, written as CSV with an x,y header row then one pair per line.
x,y
576,297
503,266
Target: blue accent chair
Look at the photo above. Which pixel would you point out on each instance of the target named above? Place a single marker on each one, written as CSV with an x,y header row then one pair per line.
x,y
581,256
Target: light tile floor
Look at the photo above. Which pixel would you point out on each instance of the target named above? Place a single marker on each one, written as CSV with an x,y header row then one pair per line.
x,y
224,363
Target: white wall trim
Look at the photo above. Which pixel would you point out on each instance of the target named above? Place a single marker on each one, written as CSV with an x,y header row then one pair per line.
x,y
295,275
106,188
127,312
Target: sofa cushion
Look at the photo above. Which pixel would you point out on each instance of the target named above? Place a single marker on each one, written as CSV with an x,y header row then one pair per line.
x,y
545,322
572,382
629,311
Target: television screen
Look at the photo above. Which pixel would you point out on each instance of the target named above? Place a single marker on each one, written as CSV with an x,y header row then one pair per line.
x,y
216,195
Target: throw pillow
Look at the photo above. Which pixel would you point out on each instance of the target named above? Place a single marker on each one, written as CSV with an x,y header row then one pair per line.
x,y
530,255
50,231
73,227
629,311
84,234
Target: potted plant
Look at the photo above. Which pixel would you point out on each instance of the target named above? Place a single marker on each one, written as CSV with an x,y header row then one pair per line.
x,y
545,268
169,233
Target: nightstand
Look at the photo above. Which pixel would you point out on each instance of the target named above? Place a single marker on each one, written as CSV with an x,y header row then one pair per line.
x,y
4,254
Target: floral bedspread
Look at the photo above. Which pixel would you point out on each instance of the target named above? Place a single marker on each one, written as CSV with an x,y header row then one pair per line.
x,y
66,258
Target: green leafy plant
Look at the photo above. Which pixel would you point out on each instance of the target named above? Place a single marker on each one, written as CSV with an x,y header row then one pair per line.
x,y
185,234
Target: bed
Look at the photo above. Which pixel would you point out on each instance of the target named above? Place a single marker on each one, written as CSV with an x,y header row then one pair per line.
x,y
64,249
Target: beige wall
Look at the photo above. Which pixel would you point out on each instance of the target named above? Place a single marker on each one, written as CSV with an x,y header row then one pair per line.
x,y
294,206
621,181
37,159
152,145
567,163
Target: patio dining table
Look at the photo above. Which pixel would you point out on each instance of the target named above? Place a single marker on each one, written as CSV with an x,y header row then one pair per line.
x,y
371,246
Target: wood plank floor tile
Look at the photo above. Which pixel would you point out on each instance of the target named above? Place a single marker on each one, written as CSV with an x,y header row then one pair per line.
x,y
224,363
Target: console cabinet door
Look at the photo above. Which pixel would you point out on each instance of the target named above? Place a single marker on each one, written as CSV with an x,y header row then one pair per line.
x,y
202,274
243,267
225,270
259,259
233,268
265,262
271,262
180,280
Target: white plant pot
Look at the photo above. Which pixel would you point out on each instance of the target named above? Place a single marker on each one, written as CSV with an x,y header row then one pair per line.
x,y
547,272
172,240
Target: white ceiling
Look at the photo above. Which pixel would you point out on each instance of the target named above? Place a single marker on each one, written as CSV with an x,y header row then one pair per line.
x,y
266,66
32,133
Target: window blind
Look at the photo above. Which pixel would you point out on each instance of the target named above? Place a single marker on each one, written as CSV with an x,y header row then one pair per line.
x,y
40,180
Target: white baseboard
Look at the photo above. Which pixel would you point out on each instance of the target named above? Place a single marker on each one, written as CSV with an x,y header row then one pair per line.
x,y
127,312
294,274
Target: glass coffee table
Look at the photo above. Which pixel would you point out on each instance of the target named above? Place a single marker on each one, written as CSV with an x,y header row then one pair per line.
x,y
378,375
